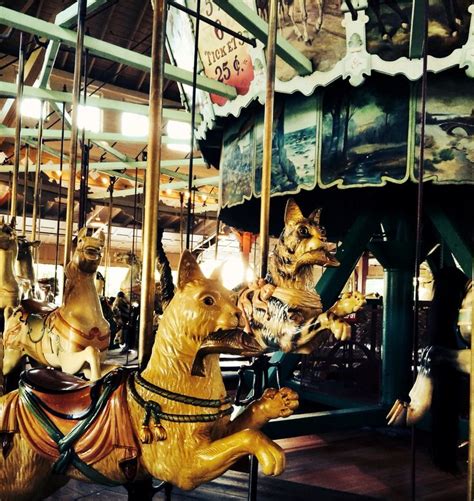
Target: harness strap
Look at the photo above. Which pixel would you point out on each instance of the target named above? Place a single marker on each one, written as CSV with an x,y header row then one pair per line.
x,y
65,443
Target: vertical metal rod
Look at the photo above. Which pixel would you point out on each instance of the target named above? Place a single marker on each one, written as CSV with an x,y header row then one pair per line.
x,y
108,255
267,140
60,185
216,250
419,229
84,156
181,212
25,190
134,231
470,470
152,179
81,15
193,124
36,198
265,193
19,99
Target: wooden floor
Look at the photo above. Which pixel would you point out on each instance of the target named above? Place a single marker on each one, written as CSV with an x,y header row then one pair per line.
x,y
351,465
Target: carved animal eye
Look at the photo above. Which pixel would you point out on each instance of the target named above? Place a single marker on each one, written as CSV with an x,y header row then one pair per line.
x,y
208,300
303,231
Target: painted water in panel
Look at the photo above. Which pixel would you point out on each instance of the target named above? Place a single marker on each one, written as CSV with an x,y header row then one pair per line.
x,y
294,146
237,163
365,131
449,129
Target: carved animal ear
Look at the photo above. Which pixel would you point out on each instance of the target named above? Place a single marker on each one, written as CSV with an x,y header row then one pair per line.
x,y
217,273
2,220
315,215
82,233
36,243
101,237
13,223
188,269
292,212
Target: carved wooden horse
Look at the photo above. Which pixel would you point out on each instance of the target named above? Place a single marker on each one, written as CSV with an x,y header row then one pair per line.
x,y
72,335
25,270
9,288
164,422
442,324
131,284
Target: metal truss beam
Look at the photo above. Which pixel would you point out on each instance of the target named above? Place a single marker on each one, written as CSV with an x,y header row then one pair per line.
x,y
253,23
177,185
106,50
113,166
55,135
9,90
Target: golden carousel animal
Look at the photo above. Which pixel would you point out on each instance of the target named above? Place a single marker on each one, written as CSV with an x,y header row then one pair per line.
x,y
9,288
163,422
72,336
25,270
288,292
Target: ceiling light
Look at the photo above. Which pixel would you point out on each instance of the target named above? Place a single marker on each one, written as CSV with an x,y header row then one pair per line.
x,y
31,108
134,125
178,130
89,118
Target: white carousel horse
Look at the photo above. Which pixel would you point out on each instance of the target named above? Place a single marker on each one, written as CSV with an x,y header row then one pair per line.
x,y
71,336
25,270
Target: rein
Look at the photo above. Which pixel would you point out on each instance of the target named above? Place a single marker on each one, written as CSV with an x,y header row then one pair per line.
x,y
153,409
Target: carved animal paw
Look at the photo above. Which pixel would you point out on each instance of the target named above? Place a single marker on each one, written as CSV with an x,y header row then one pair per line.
x,y
278,403
270,455
341,330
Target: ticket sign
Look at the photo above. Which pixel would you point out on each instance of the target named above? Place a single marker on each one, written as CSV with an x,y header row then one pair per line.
x,y
224,57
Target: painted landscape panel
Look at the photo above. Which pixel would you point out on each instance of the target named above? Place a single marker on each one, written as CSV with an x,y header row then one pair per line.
x,y
365,131
294,146
237,163
449,129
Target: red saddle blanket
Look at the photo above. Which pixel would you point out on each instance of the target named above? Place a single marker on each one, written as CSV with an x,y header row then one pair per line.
x,y
111,431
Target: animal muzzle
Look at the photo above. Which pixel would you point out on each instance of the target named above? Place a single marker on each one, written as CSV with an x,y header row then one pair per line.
x,y
232,342
93,253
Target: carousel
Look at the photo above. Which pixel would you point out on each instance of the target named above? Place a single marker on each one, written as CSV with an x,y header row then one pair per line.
x,y
236,249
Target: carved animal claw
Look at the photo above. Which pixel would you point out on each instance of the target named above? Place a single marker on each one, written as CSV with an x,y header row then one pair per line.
x,y
397,415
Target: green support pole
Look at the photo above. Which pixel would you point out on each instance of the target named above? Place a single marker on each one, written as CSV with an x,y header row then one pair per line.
x,y
397,334
455,240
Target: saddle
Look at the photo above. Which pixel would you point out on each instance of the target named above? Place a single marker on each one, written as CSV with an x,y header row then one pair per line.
x,y
72,422
36,307
61,394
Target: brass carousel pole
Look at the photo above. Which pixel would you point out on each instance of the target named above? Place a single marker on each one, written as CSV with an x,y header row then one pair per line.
x,y
36,197
25,191
265,192
81,16
470,472
267,140
19,98
152,180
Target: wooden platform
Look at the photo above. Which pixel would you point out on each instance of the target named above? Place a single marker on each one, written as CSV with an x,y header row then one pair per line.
x,y
352,465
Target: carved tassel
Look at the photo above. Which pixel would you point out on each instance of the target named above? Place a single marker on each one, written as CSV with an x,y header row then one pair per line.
x,y
159,433
145,434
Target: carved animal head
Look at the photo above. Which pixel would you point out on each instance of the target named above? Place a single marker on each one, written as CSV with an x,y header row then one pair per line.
x,y
25,247
128,258
202,313
88,251
8,238
303,241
